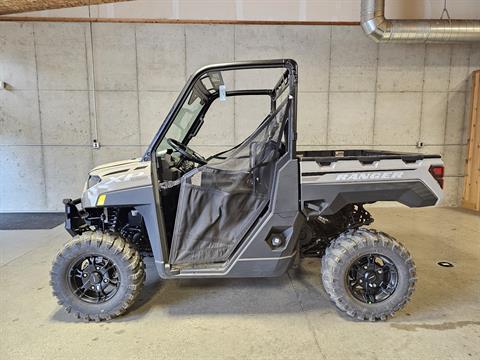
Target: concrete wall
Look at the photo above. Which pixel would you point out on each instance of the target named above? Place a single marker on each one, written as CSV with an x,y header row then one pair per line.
x,y
353,93
312,10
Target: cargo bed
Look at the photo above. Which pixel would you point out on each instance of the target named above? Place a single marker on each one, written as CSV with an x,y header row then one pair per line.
x,y
330,179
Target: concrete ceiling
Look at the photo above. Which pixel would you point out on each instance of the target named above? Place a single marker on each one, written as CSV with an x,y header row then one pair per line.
x,y
20,6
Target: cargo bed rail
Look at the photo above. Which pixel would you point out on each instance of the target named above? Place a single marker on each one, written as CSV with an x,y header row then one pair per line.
x,y
364,156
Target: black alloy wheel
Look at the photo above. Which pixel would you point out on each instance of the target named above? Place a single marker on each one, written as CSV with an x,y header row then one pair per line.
x,y
94,279
372,278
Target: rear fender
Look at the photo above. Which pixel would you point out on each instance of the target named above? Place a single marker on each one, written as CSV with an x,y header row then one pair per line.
x,y
328,191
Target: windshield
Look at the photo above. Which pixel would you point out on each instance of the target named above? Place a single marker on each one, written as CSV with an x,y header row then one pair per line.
x,y
183,121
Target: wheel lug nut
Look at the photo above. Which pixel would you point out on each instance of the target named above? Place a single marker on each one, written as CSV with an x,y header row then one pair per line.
x,y
105,280
98,267
365,267
85,275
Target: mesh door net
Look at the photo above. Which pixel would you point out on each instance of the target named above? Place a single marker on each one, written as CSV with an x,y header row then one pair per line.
x,y
221,200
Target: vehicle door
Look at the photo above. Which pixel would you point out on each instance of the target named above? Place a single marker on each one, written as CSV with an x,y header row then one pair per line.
x,y
220,201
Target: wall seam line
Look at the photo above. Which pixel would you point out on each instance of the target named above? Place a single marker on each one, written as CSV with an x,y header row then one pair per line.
x,y
466,122
448,98
375,91
327,127
302,91
185,72
88,93
42,150
446,111
138,91
213,145
419,135
94,94
234,85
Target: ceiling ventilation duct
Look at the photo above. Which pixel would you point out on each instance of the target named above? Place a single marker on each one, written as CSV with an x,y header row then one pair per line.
x,y
415,31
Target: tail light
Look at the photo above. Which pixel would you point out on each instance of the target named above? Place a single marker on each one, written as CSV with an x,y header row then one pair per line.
x,y
437,172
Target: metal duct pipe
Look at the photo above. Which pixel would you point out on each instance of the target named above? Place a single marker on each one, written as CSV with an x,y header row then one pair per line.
x,y
414,31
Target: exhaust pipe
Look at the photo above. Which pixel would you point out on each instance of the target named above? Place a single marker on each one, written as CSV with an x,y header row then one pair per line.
x,y
415,31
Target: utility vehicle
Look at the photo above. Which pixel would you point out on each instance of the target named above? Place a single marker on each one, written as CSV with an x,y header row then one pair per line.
x,y
250,211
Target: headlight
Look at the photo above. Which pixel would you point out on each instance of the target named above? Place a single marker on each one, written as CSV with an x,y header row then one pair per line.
x,y
93,180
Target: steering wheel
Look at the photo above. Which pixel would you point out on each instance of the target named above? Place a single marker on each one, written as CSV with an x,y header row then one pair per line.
x,y
186,152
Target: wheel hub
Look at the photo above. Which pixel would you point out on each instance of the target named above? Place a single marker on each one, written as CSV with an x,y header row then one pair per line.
x,y
372,278
94,279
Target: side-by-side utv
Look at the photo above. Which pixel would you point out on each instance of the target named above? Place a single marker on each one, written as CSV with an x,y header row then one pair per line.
x,y
250,211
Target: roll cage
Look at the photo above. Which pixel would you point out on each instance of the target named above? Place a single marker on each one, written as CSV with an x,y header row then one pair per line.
x,y
288,81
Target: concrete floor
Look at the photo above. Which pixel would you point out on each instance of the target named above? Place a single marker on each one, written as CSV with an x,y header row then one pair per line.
x,y
285,318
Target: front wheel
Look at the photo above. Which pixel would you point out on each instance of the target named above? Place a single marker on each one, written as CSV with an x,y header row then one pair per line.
x,y
368,275
97,276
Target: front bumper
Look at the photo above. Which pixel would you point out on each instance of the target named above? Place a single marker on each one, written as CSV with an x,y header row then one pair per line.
x,y
74,223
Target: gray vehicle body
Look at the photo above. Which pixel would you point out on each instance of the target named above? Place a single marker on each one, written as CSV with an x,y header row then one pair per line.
x,y
304,185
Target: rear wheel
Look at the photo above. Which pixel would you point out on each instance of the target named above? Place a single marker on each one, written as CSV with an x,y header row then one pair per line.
x,y
368,274
97,276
